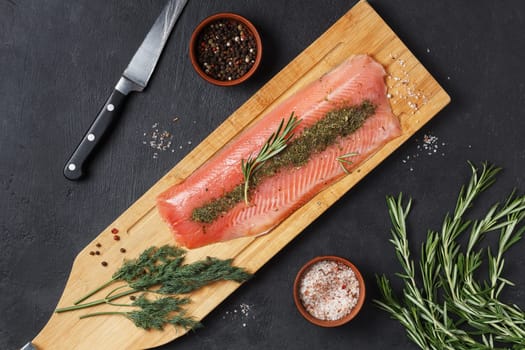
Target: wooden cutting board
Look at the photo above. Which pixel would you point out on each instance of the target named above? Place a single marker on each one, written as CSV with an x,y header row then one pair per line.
x,y
415,98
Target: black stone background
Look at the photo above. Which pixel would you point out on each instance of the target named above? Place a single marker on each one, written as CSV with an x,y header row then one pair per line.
x,y
59,61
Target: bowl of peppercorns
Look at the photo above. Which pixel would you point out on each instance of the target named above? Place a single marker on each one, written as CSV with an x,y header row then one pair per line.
x,y
225,49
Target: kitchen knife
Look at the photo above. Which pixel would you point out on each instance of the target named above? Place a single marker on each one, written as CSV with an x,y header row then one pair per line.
x,y
134,78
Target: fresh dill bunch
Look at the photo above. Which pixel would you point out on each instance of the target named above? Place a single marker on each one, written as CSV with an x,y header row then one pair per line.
x,y
160,271
444,304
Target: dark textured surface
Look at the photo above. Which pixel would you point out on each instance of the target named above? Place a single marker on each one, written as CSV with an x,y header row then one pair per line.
x,y
59,61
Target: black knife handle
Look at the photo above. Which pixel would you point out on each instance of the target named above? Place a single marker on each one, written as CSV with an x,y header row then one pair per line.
x,y
107,115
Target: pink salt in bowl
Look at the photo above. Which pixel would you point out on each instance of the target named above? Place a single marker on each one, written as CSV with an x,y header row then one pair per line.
x,y
329,291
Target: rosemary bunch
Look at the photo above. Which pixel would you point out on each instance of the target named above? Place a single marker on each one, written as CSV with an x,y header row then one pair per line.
x,y
275,144
160,271
444,304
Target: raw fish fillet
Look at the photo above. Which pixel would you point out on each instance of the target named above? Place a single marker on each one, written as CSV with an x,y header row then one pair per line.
x,y
358,79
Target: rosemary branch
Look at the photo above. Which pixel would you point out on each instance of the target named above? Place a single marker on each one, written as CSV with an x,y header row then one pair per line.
x,y
444,305
275,144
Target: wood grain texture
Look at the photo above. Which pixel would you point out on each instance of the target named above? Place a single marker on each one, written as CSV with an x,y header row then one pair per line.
x,y
415,98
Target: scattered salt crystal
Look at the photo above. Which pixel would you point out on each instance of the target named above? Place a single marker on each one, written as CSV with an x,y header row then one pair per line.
x,y
402,89
245,309
242,313
158,140
429,146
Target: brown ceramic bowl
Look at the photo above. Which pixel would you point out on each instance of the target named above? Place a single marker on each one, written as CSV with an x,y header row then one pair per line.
x,y
193,48
328,323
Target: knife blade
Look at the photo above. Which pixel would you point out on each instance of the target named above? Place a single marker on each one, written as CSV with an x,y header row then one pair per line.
x,y
134,78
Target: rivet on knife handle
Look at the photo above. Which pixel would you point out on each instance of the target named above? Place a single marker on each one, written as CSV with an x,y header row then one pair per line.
x,y
108,114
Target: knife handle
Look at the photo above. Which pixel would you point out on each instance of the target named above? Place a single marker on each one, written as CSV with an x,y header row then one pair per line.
x,y
107,115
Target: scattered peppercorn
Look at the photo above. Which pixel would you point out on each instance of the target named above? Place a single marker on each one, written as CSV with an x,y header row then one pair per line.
x,y
132,297
226,49
98,245
116,237
104,263
91,253
122,250
114,231
97,252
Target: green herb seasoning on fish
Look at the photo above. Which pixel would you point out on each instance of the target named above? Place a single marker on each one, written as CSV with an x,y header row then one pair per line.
x,y
337,123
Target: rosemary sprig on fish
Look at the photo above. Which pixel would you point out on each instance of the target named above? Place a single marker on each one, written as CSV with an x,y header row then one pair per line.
x,y
275,144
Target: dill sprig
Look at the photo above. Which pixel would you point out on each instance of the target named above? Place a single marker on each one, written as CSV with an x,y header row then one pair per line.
x,y
275,144
194,276
444,304
160,271
155,314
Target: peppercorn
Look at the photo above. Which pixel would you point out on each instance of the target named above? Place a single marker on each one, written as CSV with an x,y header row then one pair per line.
x,y
226,49
114,231
104,263
116,237
91,253
122,250
98,245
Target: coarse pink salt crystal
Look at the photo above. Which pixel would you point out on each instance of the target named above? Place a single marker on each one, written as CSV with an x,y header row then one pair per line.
x,y
329,290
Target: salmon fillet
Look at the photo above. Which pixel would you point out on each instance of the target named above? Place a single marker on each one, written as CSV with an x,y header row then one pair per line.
x,y
358,79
